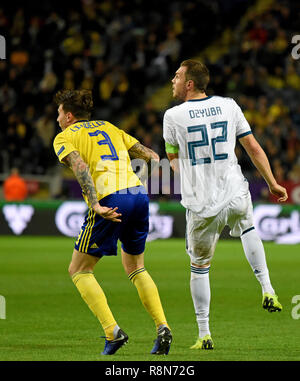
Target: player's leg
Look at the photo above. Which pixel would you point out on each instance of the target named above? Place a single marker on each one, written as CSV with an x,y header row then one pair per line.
x,y
147,290
81,271
98,237
201,239
201,295
241,223
149,296
255,254
133,237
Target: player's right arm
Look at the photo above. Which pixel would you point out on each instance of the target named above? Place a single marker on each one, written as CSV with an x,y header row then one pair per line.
x,y
139,151
261,162
136,150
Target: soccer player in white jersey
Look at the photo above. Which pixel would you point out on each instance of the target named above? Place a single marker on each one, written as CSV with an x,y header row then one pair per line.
x,y
200,137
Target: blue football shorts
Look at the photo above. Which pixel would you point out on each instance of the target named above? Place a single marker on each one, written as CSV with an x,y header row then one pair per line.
x,y
99,237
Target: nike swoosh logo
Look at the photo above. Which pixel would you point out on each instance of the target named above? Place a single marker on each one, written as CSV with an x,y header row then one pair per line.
x,y
120,338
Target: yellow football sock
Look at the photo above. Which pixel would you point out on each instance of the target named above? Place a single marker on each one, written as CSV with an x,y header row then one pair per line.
x,y
149,296
95,298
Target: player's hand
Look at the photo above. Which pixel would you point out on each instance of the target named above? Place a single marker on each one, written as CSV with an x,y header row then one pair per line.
x,y
107,213
279,191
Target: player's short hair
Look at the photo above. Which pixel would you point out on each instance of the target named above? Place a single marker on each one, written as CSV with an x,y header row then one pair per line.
x,y
197,72
78,102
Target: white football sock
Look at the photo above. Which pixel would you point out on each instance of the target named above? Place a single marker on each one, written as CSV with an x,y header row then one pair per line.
x,y
200,290
255,255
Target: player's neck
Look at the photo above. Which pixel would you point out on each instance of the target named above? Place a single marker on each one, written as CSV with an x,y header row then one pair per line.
x,y
73,121
194,95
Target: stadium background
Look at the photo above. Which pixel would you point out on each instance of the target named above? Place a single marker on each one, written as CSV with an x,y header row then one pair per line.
x,y
126,52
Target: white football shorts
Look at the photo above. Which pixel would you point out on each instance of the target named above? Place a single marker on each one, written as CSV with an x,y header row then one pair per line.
x,y
202,234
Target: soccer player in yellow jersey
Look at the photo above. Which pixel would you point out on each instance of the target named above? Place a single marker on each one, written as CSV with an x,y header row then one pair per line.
x,y
99,155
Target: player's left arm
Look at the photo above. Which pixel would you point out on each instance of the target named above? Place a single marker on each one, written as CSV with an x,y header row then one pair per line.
x,y
173,158
261,162
171,142
82,173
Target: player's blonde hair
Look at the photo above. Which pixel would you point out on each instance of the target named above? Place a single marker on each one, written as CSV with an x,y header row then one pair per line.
x,y
197,72
78,102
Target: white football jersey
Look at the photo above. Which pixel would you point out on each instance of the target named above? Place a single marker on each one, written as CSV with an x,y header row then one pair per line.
x,y
205,131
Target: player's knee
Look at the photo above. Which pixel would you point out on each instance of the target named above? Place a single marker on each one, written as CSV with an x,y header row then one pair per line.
x,y
129,268
132,262
71,269
201,264
74,268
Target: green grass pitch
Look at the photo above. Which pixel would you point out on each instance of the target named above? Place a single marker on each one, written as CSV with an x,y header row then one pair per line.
x,y
46,319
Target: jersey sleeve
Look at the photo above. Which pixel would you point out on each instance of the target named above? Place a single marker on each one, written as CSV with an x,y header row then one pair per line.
x,y
128,140
169,131
242,126
62,146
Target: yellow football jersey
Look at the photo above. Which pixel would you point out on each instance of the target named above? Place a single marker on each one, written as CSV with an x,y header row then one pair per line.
x,y
104,148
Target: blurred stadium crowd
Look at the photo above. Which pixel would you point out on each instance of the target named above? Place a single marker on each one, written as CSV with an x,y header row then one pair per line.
x,y
124,50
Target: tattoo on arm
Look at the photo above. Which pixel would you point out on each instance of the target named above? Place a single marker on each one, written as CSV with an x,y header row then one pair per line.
x,y
139,151
83,175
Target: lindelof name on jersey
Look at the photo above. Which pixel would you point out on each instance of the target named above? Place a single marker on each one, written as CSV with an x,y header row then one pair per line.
x,y
211,111
93,124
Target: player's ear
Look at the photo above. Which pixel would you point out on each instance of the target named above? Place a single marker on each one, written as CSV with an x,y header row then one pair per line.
x,y
69,116
189,84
